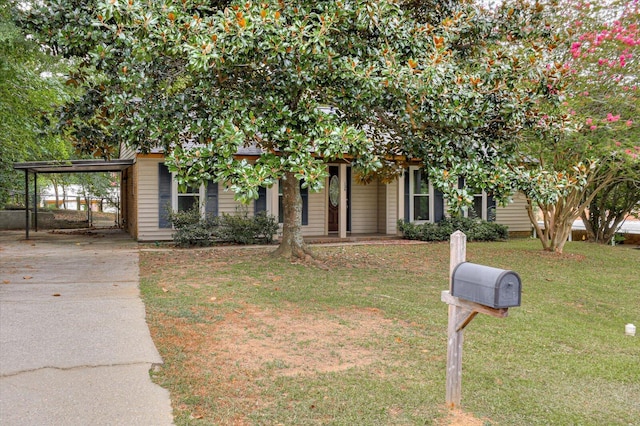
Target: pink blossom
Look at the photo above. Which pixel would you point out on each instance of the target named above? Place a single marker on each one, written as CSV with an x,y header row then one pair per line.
x,y
629,123
612,118
585,93
589,121
593,128
618,143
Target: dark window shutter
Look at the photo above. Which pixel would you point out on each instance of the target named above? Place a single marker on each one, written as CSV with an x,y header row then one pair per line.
x,y
348,199
491,208
164,196
438,206
407,196
211,206
304,193
260,205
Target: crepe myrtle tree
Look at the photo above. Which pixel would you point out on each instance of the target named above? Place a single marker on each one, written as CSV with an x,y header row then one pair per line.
x,y
588,142
614,204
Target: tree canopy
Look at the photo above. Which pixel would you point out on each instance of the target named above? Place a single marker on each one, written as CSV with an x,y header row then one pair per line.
x,y
306,83
30,90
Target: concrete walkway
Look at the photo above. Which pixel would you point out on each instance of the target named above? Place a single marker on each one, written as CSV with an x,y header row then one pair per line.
x,y
74,345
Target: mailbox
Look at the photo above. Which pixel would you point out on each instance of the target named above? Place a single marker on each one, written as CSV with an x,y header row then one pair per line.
x,y
497,288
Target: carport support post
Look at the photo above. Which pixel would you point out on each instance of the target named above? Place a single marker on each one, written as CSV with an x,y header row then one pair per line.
x,y
458,250
35,201
26,203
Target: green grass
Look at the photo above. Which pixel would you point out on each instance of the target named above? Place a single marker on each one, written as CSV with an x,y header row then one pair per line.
x,y
561,358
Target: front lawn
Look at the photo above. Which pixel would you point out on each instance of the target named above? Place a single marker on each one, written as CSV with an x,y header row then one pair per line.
x,y
361,338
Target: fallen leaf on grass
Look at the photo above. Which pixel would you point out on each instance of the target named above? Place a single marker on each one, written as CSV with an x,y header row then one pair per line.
x,y
165,290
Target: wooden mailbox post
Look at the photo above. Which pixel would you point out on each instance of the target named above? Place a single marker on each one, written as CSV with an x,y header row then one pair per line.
x,y
461,313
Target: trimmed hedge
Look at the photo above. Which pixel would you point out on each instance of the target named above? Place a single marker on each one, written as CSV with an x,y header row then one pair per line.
x,y
475,230
239,228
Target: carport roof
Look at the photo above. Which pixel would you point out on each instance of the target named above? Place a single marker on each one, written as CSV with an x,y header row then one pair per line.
x,y
74,166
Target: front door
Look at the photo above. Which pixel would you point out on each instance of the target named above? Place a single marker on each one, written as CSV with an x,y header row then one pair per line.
x,y
334,199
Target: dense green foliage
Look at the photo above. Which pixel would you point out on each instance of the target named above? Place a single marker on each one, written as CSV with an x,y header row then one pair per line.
x,y
474,229
30,90
303,83
488,95
240,228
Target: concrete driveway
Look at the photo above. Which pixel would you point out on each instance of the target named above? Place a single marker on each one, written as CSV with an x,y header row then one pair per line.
x,y
74,345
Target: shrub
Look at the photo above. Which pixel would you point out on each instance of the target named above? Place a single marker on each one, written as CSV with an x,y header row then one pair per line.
x,y
475,230
240,228
244,229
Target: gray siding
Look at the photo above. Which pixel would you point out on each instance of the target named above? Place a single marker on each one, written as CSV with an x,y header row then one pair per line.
x,y
382,208
364,208
228,204
126,153
391,206
317,214
514,215
147,201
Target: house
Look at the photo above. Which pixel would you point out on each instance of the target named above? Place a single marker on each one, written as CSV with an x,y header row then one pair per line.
x,y
344,207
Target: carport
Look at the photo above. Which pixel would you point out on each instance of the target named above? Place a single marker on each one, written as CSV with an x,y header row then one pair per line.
x,y
70,166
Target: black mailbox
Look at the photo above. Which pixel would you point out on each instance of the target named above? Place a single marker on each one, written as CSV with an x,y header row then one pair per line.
x,y
497,288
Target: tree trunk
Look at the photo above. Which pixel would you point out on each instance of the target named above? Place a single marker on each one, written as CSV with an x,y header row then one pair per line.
x,y
55,190
292,244
558,221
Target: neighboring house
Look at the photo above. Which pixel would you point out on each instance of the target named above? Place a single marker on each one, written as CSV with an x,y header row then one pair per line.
x,y
343,207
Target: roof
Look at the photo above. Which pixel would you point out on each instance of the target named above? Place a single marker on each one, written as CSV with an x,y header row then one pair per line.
x,y
74,166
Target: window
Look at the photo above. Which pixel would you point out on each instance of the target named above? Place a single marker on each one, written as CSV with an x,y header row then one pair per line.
x,y
260,205
483,207
420,196
172,198
189,197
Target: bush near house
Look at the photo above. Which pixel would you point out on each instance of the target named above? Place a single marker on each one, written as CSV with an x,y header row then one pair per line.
x,y
239,228
475,229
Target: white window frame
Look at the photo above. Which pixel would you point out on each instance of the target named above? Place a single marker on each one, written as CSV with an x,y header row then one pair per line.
x,y
483,213
174,196
485,202
412,196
